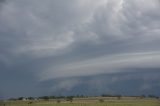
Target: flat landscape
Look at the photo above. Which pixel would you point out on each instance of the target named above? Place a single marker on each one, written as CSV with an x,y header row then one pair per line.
x,y
79,52
91,101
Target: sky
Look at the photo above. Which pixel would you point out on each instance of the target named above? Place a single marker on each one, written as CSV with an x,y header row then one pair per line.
x,y
70,47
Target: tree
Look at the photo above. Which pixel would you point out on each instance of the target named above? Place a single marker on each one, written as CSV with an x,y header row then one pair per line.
x,y
152,96
20,98
69,98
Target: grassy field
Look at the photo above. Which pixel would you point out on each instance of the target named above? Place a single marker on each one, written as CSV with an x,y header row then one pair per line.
x,y
87,102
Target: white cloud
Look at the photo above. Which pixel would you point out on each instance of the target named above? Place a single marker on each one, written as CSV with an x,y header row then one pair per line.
x,y
103,64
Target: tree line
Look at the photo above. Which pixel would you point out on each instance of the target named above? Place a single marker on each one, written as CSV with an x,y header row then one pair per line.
x,y
70,98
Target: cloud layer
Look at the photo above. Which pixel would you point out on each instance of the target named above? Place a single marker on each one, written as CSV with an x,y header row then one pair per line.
x,y
53,39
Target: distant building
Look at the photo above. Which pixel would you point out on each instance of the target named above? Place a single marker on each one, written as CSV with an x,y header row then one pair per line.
x,y
24,99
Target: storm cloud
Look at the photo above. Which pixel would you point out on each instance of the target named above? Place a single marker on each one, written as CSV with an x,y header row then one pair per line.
x,y
55,39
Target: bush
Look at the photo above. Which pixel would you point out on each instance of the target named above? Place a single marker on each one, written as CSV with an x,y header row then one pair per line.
x,y
69,98
101,100
58,101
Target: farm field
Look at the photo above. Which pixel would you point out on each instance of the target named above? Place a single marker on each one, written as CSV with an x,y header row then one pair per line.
x,y
87,102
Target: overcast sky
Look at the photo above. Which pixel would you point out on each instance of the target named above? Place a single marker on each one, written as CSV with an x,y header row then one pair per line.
x,y
50,46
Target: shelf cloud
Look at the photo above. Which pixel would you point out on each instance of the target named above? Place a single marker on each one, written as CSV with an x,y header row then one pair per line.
x,y
54,39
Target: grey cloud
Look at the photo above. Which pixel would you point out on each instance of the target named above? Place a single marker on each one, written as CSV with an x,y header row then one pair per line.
x,y
44,19
54,38
111,26
103,64
2,1
130,22
117,83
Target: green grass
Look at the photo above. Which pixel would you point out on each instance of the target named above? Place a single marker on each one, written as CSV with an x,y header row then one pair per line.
x,y
89,102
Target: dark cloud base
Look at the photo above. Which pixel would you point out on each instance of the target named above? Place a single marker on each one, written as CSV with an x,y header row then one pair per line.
x,y
134,83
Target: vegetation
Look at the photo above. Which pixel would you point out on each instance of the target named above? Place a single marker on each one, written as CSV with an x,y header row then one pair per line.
x,y
58,101
87,101
104,100
101,100
69,98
